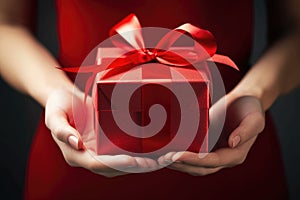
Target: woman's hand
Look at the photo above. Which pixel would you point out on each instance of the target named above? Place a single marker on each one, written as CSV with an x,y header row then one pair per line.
x,y
66,110
244,121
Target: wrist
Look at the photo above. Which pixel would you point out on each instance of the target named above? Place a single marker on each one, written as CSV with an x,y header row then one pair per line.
x,y
263,94
43,91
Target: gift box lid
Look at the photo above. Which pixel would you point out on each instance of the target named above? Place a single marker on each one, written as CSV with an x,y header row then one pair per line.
x,y
152,73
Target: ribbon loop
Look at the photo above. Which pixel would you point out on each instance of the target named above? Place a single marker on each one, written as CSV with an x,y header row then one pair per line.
x,y
204,38
128,34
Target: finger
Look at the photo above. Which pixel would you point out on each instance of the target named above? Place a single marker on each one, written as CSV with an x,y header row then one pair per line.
x,y
143,165
125,163
118,162
152,164
141,162
250,127
57,122
224,157
166,159
193,170
106,168
107,165
87,160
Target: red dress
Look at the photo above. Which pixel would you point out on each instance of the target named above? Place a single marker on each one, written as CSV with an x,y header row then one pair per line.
x,y
84,24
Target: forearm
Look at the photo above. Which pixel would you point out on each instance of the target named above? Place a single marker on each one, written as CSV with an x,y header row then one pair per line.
x,y
276,73
27,65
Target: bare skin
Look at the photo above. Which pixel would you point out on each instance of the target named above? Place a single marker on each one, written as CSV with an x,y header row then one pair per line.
x,y
276,73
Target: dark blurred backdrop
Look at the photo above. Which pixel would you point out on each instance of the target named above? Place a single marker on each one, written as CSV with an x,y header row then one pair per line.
x,y
20,114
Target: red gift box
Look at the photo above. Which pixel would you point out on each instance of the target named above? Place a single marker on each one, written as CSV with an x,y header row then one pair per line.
x,y
151,84
160,76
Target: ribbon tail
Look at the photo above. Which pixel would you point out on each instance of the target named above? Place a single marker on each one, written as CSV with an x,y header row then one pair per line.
x,y
85,69
223,60
88,86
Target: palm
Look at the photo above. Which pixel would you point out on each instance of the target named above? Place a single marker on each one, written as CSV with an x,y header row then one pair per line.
x,y
243,112
67,114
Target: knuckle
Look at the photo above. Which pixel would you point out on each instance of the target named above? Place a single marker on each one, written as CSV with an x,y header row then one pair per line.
x,y
241,159
59,133
131,162
239,162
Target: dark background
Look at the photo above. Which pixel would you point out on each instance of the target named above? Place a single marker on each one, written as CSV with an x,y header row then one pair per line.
x,y
20,114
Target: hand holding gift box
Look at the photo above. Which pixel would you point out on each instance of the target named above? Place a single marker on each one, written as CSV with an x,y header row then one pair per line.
x,y
132,123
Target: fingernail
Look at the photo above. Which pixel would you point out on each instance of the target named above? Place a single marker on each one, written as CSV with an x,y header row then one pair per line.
x,y
235,141
73,141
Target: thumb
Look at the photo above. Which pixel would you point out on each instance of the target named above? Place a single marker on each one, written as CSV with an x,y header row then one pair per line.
x,y
57,122
247,116
250,127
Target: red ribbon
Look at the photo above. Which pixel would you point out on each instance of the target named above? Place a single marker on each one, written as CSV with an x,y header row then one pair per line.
x,y
129,37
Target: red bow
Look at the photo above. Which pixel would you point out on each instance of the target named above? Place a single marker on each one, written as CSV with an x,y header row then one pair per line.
x,y
130,38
